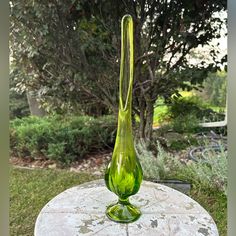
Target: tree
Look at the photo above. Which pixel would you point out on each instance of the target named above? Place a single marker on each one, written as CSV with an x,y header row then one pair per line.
x,y
215,89
72,50
18,106
56,54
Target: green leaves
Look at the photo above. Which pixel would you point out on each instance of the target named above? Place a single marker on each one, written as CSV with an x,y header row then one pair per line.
x,y
72,48
64,139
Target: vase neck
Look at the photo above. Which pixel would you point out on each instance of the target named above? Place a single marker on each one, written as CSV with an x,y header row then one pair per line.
x,y
126,78
124,123
126,64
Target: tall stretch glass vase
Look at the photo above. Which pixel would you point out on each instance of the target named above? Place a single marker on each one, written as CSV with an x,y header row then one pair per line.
x,y
124,174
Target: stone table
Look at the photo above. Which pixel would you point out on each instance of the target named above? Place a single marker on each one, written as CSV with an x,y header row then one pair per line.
x,y
165,212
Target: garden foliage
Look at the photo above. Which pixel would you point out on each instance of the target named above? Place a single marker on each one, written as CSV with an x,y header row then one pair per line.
x,y
64,139
67,52
215,87
184,114
210,173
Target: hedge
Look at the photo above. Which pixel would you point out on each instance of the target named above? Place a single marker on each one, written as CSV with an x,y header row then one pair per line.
x,y
61,138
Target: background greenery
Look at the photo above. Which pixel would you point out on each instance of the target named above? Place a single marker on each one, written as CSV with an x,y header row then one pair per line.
x,y
65,54
64,139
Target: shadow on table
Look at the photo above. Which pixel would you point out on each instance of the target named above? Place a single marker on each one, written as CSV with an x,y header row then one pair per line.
x,y
179,185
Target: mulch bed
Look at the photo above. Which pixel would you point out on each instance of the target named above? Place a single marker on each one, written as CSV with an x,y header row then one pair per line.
x,y
94,163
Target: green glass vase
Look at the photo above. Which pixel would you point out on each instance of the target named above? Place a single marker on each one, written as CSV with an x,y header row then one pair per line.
x,y
123,175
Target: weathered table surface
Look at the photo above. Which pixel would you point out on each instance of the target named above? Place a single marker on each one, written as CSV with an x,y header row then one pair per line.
x,y
165,212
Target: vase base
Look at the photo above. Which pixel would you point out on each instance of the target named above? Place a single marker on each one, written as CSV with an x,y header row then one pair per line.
x,y
123,213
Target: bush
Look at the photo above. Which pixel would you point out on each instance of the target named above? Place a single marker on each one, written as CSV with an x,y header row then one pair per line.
x,y
58,138
190,105
210,174
183,143
215,87
185,123
187,112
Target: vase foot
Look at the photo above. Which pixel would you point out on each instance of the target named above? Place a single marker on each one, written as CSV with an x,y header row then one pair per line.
x,y
123,213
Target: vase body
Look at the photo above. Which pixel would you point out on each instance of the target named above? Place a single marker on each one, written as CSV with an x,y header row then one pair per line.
x,y
123,175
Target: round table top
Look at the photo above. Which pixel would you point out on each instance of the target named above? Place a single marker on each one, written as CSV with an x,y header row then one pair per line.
x,y
165,212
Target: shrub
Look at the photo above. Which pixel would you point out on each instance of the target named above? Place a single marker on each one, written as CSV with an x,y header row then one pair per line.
x,y
190,105
187,112
153,166
215,87
211,174
183,143
195,105
185,123
58,138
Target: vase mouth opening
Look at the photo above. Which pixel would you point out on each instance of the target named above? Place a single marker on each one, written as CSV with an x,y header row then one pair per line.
x,y
126,63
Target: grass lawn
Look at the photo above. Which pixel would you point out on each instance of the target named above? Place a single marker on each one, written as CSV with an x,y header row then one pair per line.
x,y
215,203
31,189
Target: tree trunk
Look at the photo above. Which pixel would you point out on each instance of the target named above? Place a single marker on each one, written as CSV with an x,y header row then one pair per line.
x,y
142,120
34,105
149,121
